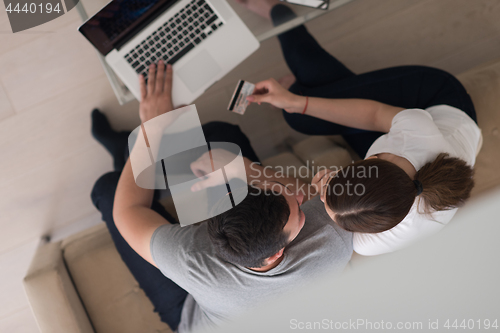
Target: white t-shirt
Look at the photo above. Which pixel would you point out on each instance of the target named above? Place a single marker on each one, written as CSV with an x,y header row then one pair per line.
x,y
419,136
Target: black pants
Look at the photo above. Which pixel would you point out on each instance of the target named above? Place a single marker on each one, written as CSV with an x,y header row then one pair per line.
x,y
166,296
319,74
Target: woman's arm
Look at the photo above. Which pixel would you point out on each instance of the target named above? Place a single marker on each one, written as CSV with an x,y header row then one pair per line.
x,y
358,113
353,112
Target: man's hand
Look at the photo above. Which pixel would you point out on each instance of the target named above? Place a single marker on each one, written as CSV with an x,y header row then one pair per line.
x,y
270,91
156,96
321,179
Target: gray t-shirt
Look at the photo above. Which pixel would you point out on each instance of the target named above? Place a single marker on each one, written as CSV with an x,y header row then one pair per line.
x,y
219,290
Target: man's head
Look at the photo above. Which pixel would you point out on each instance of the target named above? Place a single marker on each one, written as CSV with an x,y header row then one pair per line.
x,y
254,233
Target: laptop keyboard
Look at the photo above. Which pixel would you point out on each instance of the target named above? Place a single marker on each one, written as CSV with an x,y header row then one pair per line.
x,y
174,39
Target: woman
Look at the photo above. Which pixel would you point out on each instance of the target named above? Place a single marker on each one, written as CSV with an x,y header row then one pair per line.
x,y
423,162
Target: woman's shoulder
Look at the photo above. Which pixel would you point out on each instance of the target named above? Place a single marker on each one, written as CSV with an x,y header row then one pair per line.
x,y
420,135
419,115
460,130
413,136
438,114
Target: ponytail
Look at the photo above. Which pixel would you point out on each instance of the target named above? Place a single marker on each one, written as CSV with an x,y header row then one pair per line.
x,y
446,182
389,194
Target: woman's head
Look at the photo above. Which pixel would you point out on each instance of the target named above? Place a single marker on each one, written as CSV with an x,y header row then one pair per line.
x,y
374,195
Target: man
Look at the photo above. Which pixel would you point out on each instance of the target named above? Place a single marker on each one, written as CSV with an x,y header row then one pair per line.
x,y
202,275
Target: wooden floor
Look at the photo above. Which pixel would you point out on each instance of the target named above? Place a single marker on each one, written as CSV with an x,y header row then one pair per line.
x,y
50,80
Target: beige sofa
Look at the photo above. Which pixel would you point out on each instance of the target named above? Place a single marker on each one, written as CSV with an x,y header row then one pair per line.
x,y
80,284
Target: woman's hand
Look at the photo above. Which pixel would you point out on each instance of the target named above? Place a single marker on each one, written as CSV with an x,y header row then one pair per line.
x,y
270,91
156,96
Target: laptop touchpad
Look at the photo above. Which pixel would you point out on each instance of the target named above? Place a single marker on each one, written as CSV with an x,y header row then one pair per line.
x,y
198,71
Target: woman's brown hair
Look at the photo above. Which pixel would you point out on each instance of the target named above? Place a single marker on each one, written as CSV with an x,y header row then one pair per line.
x,y
385,193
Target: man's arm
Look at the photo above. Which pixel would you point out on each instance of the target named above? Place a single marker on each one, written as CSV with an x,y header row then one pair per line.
x,y
254,173
353,112
132,213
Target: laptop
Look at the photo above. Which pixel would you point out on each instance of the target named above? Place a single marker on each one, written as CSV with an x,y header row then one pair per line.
x,y
202,39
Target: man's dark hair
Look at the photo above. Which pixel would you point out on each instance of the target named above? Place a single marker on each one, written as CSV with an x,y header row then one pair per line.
x,y
253,230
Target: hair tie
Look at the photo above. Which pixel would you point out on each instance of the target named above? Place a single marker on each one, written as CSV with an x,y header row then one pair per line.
x,y
418,186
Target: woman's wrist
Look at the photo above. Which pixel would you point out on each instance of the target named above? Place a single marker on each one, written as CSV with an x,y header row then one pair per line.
x,y
297,104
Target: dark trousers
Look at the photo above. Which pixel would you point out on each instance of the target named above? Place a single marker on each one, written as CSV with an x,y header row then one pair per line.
x,y
166,296
319,74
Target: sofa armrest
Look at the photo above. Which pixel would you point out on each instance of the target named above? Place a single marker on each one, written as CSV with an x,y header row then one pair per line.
x,y
52,295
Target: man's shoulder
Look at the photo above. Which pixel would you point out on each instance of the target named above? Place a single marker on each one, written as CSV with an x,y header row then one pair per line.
x,y
321,238
175,244
318,220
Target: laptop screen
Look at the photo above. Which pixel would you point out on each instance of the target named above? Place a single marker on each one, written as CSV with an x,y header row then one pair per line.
x,y
118,21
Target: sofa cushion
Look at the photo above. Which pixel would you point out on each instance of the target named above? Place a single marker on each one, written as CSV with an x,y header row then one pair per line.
x,y
320,152
340,141
112,297
483,85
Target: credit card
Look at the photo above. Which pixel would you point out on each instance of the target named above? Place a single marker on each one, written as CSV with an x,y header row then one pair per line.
x,y
239,101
